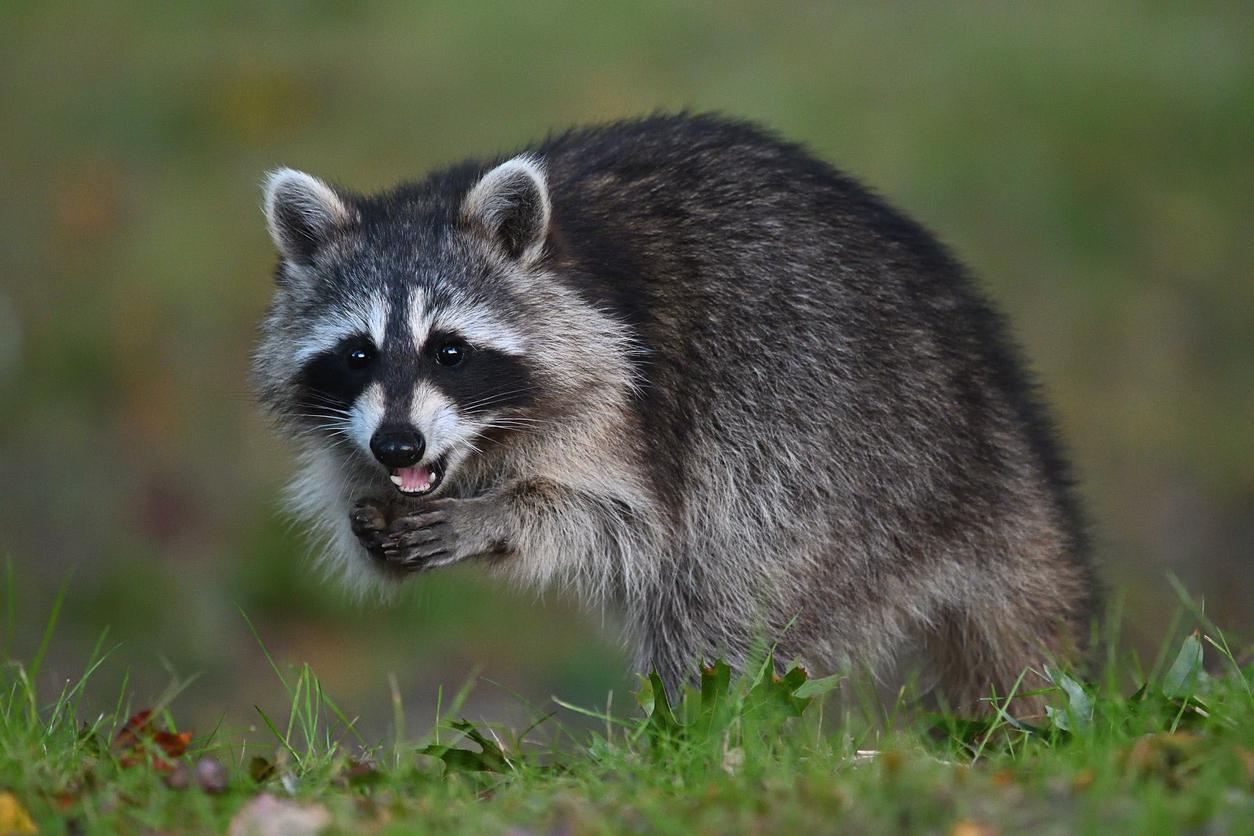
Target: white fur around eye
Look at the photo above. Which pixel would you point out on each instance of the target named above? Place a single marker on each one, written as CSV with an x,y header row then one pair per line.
x,y
368,315
479,327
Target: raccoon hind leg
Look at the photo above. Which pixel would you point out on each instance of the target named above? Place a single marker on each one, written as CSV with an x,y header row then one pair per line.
x,y
981,658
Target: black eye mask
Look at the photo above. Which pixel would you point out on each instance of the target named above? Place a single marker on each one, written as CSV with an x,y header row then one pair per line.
x,y
332,380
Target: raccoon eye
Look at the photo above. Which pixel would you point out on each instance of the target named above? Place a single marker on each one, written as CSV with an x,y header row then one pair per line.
x,y
451,353
359,357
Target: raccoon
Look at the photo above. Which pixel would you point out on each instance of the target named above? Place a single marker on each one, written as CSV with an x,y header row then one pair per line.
x,y
682,368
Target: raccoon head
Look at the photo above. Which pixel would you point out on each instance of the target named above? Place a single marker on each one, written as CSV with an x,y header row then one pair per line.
x,y
397,339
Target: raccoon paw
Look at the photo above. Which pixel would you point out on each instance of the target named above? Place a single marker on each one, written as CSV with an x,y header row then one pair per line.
x,y
369,523
420,540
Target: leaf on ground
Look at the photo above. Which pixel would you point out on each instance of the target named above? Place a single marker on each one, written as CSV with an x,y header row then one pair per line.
x,y
715,684
1167,754
1247,760
819,687
139,742
779,693
657,705
490,759
1181,678
362,774
971,827
261,769
13,816
1078,714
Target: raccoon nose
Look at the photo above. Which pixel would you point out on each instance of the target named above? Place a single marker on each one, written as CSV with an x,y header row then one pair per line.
x,y
397,446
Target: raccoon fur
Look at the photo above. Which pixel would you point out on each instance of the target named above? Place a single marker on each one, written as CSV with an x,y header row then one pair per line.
x,y
685,369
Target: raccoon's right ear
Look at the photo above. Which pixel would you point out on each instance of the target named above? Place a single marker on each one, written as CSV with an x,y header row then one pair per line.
x,y
511,204
301,211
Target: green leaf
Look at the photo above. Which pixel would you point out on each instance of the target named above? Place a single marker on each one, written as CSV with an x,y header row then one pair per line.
x,y
491,759
715,704
778,693
260,769
1181,678
1079,711
661,717
715,684
819,687
1059,718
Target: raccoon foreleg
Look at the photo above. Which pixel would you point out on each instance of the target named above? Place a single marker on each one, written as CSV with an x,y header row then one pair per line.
x,y
563,533
369,522
436,533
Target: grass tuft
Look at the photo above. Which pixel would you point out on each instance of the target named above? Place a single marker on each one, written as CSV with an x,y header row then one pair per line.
x,y
759,751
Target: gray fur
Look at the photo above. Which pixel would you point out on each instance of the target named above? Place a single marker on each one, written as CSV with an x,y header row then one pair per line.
x,y
760,404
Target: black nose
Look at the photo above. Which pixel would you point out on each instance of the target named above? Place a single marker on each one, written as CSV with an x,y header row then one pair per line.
x,y
397,446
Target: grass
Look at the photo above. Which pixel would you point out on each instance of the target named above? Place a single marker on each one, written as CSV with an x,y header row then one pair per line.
x,y
758,752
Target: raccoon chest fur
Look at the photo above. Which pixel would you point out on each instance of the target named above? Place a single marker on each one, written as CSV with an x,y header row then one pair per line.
x,y
681,366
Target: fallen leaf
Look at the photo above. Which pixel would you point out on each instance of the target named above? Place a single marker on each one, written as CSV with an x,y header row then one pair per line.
x,y
971,827
267,815
1161,753
492,757
137,738
173,744
1181,678
362,774
129,735
891,761
1247,760
13,816
260,769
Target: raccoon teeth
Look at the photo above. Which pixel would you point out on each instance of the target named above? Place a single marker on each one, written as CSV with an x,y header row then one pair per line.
x,y
418,480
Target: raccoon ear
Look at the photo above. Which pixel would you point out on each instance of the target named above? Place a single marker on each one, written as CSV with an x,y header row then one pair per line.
x,y
300,211
511,204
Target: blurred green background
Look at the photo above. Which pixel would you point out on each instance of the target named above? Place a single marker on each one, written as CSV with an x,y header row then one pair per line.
x,y
1091,161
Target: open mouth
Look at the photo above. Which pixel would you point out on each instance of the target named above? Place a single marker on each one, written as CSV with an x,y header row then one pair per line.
x,y
419,479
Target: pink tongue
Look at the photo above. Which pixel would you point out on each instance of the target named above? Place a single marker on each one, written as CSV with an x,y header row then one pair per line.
x,y
416,478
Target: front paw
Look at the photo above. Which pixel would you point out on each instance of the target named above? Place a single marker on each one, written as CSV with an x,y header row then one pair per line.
x,y
369,522
422,539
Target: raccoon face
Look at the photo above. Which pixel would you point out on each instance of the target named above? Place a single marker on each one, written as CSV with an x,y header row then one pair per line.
x,y
396,339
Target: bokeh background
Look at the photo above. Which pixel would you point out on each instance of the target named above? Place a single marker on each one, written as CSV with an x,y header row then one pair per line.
x,y
1091,161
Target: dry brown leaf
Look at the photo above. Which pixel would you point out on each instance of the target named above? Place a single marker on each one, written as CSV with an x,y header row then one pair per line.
x,y
971,827
1247,760
1158,752
139,743
1083,779
13,816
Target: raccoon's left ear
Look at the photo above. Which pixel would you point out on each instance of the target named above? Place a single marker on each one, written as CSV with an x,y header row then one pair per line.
x,y
301,211
511,204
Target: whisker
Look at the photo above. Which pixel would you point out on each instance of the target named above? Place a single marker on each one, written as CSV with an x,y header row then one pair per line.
x,y
496,397
328,409
534,424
